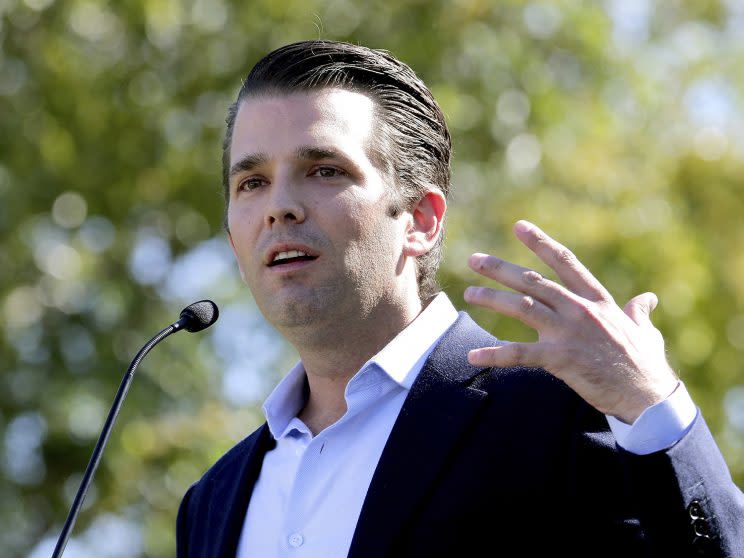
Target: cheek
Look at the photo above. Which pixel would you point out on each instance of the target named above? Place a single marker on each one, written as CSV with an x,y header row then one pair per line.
x,y
243,221
243,238
361,226
375,236
239,215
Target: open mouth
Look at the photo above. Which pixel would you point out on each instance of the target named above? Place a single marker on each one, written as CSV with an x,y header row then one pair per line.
x,y
290,256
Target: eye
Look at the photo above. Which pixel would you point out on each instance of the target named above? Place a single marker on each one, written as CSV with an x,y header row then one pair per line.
x,y
327,172
250,183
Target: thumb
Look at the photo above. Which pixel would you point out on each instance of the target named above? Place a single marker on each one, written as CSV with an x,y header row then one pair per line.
x,y
640,307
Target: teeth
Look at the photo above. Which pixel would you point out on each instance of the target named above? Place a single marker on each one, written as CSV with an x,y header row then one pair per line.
x,y
289,254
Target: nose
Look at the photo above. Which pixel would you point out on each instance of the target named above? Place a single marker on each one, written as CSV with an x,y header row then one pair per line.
x,y
285,205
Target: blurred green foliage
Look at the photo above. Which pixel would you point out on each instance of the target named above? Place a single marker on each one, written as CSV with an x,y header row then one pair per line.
x,y
617,126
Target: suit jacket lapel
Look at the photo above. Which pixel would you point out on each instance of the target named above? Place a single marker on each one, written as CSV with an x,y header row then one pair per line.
x,y
231,493
436,413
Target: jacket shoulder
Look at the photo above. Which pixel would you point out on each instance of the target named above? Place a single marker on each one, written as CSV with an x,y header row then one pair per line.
x,y
211,512
465,335
235,457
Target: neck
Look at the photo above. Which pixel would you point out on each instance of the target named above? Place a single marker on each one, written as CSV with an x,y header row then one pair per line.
x,y
333,355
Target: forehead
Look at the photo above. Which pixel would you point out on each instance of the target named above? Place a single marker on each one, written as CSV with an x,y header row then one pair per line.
x,y
276,124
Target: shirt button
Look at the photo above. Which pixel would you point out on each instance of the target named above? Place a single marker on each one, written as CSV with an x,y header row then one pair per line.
x,y
295,540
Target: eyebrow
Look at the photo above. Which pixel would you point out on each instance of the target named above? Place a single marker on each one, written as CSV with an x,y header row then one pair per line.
x,y
249,162
317,153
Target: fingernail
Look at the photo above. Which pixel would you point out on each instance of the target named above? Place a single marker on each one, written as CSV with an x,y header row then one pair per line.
x,y
477,259
469,293
522,226
473,357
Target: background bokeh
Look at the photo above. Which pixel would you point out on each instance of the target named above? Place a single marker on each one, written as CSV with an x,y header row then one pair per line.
x,y
618,126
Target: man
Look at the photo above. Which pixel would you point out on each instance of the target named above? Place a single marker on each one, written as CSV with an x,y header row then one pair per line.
x,y
406,430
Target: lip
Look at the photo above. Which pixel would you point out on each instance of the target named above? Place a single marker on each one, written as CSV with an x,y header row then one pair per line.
x,y
289,268
274,249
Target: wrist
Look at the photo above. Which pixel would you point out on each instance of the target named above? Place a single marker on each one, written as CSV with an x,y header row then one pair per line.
x,y
646,399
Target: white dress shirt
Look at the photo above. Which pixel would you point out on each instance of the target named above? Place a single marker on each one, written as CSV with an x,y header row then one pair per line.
x,y
309,494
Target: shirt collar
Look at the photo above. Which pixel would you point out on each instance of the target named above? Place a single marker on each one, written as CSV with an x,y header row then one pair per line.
x,y
401,359
286,400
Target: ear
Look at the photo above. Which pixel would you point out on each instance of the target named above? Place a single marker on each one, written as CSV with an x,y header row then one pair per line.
x,y
425,227
235,253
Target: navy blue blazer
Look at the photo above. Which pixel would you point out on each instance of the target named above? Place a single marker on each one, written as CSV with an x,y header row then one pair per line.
x,y
507,461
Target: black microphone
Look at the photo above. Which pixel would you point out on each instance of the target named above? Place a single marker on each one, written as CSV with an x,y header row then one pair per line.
x,y
195,317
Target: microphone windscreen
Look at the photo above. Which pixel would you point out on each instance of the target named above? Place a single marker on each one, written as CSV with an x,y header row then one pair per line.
x,y
199,315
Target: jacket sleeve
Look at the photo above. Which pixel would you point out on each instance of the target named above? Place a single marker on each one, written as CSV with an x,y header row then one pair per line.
x,y
182,526
688,498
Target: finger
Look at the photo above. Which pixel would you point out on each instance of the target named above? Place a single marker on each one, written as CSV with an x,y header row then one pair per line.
x,y
522,279
567,266
510,354
520,306
639,308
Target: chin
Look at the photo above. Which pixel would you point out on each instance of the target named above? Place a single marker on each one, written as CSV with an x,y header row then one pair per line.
x,y
293,313
296,317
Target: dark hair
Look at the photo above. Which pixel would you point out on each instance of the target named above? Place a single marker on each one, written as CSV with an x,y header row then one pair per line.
x,y
413,145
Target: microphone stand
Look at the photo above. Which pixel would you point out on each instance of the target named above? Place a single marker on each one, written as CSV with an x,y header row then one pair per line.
x,y
188,321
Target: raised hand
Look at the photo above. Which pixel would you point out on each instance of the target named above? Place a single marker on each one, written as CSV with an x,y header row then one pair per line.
x,y
613,358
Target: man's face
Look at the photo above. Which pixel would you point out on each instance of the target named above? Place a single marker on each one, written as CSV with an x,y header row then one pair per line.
x,y
308,212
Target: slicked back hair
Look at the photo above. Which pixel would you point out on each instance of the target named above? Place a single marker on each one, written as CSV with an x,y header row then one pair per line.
x,y
412,144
